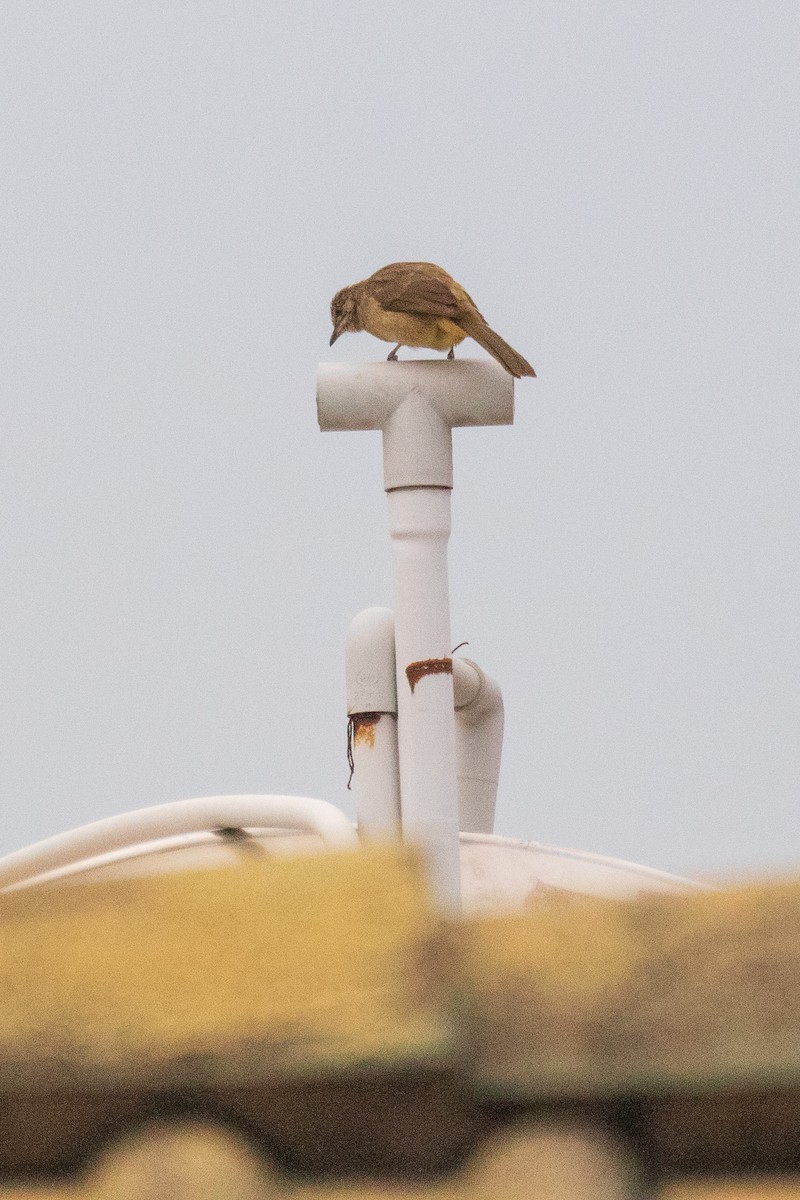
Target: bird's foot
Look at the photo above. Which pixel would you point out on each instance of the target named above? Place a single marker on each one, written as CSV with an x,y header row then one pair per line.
x,y
451,353
393,356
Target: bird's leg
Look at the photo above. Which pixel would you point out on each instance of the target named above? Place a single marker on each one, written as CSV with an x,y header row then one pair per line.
x,y
393,356
451,353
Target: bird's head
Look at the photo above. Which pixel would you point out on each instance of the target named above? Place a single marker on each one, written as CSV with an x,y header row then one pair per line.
x,y
344,313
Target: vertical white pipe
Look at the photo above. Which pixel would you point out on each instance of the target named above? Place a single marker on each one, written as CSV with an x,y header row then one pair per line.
x,y
376,773
372,711
419,523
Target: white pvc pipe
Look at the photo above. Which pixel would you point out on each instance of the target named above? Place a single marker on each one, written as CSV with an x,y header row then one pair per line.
x,y
159,849
376,770
479,745
370,662
419,525
362,395
180,817
372,711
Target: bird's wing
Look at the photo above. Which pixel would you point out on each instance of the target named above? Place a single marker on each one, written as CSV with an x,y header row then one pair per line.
x,y
414,288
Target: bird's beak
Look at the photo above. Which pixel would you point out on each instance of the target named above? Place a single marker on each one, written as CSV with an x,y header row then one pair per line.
x,y
338,330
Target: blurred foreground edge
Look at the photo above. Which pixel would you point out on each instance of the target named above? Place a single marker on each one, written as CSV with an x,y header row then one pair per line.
x,y
316,1017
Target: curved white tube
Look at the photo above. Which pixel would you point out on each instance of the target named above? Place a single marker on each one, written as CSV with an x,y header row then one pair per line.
x,y
479,744
201,815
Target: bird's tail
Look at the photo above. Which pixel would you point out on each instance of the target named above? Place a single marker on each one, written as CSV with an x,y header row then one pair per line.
x,y
474,325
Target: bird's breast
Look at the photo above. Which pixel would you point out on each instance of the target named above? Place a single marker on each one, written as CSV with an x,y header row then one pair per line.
x,y
409,329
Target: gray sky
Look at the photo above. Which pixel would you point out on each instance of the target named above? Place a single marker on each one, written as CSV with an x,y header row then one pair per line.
x,y
183,188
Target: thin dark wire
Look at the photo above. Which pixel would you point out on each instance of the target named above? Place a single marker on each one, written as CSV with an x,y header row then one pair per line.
x,y
351,762
458,647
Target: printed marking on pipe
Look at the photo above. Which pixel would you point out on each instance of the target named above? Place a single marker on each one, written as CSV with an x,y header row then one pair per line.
x,y
364,728
427,666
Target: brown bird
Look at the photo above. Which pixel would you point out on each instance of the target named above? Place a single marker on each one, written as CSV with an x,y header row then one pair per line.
x,y
418,304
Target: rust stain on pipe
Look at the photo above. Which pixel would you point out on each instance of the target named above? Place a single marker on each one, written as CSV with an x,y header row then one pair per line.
x,y
427,666
364,728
